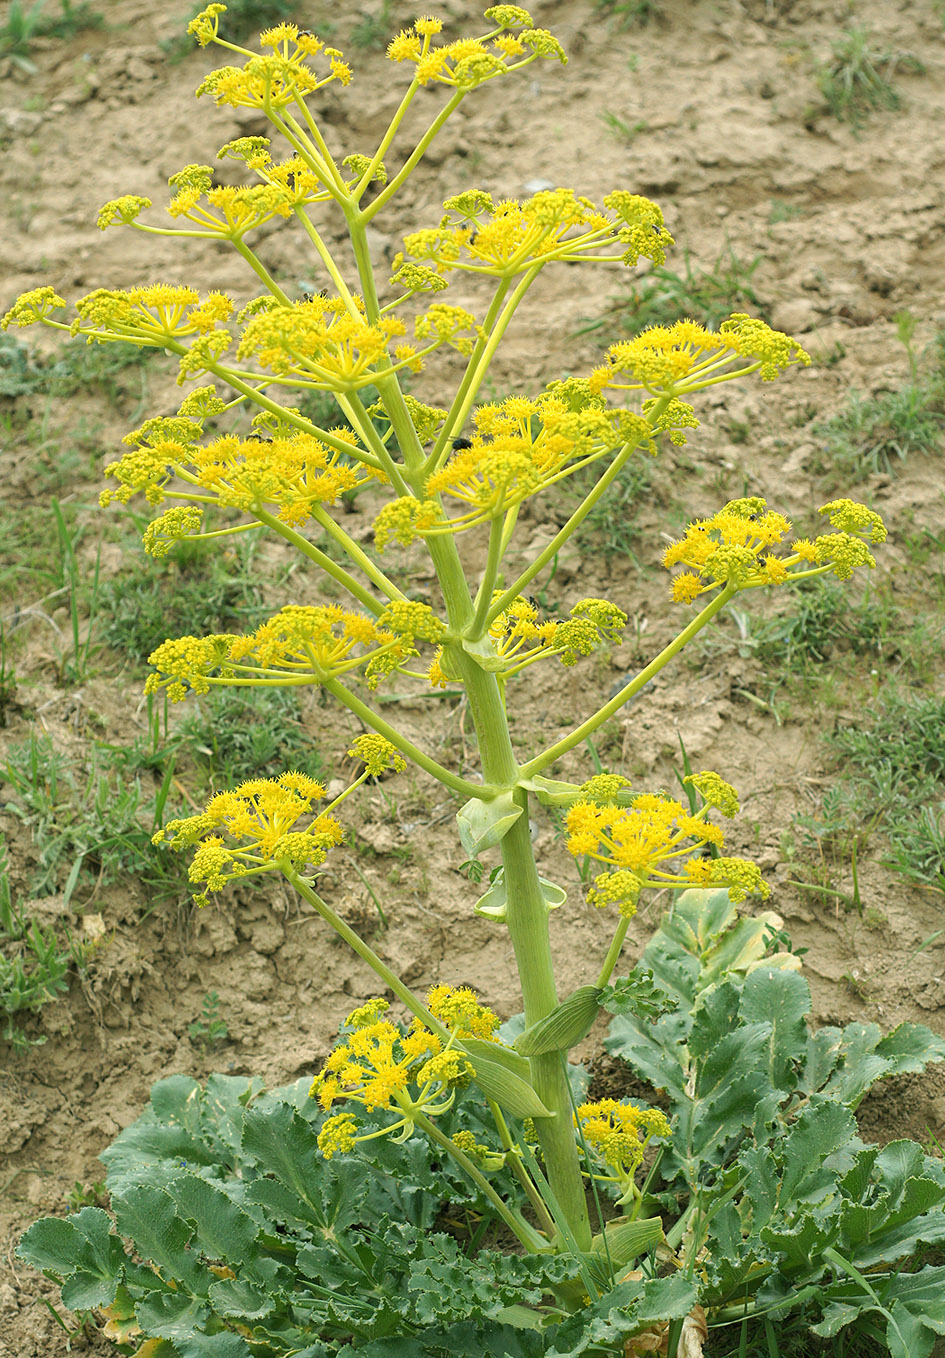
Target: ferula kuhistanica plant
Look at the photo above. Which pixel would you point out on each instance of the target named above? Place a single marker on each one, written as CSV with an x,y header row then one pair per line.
x,y
442,473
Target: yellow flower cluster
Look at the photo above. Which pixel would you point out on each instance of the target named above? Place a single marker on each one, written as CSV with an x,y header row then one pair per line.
x,y
381,1067
460,1011
293,473
639,838
377,754
321,340
504,239
300,644
521,639
733,548
686,357
470,61
276,79
619,1132
254,829
519,447
149,316
328,342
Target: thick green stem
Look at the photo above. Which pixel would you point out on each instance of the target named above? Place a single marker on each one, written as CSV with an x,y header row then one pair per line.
x,y
527,909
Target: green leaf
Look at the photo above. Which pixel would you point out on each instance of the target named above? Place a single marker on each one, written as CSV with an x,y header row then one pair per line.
x,y
494,904
567,1024
82,1252
800,1247
236,1298
859,1067
171,1315
821,1128
824,1050
637,995
915,1302
225,1344
505,1076
910,1047
624,1311
222,1230
147,1216
625,1240
482,824
286,1146
52,1244
653,1050
907,1335
781,999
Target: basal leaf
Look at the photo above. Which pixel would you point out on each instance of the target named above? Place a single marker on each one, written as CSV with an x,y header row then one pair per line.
x,y
859,1067
82,1291
713,1020
782,999
222,1230
171,1315
908,1335
224,1344
824,1050
239,1299
821,1128
698,918
626,1310
147,1216
653,1050
55,1245
799,1248
910,1047
715,1125
285,1145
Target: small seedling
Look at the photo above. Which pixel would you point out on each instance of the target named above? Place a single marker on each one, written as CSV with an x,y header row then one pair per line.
x,y
858,78
209,1030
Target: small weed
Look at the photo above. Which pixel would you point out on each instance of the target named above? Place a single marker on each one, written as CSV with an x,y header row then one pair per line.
x,y
7,679
34,963
85,820
23,24
918,848
891,776
373,30
75,367
857,79
236,734
627,12
193,590
783,211
870,434
610,529
621,129
209,1030
87,1195
83,594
